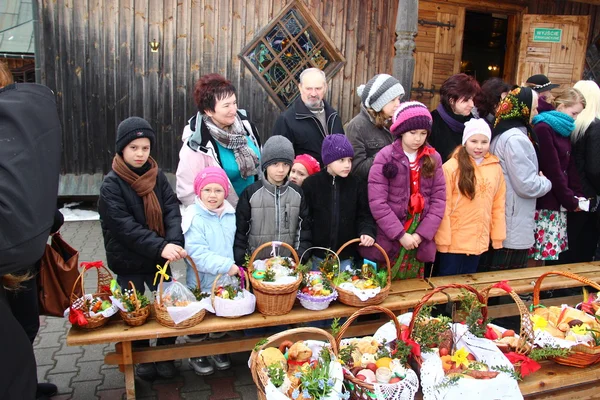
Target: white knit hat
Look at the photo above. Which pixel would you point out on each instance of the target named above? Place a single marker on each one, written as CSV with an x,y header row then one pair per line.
x,y
379,91
476,126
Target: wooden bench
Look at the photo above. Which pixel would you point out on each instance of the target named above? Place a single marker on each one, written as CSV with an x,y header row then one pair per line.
x,y
403,296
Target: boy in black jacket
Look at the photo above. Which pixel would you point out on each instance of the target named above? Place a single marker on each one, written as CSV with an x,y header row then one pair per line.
x,y
338,202
140,219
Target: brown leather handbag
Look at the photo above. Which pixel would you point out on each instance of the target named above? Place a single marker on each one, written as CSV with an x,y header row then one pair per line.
x,y
58,273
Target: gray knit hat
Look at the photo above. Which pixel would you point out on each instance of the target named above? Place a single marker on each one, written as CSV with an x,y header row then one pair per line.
x,y
277,149
379,91
133,128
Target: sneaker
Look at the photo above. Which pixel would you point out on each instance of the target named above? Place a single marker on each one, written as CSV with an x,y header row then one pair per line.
x,y
222,361
166,369
146,371
196,338
202,366
45,390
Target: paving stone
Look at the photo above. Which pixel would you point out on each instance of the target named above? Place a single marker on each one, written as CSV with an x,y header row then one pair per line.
x,y
112,394
85,390
50,339
62,381
54,324
45,356
113,379
193,382
65,364
204,395
222,388
243,375
89,371
66,350
248,392
93,352
168,391
42,370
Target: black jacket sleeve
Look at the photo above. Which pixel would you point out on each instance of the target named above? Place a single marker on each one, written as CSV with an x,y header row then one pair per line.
x,y
243,216
122,225
590,159
171,212
304,226
365,221
281,128
59,220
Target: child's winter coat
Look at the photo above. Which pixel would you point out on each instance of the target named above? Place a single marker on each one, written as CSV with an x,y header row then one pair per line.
x,y
209,241
468,225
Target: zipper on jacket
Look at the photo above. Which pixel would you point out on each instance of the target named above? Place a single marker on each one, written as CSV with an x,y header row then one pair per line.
x,y
277,214
334,215
321,128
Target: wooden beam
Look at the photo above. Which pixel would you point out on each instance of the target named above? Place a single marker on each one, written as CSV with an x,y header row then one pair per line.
x,y
488,6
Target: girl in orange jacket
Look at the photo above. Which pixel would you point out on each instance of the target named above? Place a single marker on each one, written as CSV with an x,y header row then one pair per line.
x,y
475,195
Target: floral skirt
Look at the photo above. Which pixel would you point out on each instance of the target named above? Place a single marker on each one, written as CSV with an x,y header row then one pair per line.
x,y
550,235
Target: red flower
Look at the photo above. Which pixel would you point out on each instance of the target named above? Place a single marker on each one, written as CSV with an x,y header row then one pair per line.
x,y
544,254
549,245
552,252
541,232
552,216
562,246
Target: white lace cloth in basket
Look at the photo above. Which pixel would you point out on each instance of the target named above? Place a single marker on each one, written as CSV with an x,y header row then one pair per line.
x,y
543,339
403,390
362,294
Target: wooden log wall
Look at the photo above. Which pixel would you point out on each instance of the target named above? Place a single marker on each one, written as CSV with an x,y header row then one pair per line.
x,y
95,55
561,7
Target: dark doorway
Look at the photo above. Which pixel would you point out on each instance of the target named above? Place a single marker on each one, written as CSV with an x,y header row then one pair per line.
x,y
484,45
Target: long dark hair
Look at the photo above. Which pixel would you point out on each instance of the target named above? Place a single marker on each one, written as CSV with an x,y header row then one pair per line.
x,y
467,182
488,97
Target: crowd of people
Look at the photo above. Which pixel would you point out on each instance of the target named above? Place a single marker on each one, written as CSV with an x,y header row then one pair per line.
x,y
496,177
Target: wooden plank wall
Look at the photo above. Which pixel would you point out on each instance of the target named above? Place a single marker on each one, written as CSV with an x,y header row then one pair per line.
x,y
561,7
95,55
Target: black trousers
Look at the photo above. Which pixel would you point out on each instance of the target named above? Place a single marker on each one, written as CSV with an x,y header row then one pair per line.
x,y
18,374
24,303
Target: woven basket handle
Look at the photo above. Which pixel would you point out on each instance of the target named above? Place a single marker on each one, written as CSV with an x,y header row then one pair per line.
x,y
378,247
265,245
282,335
365,311
162,277
439,289
526,335
214,286
538,283
104,277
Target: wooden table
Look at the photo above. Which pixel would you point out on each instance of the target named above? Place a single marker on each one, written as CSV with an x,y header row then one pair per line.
x,y
404,295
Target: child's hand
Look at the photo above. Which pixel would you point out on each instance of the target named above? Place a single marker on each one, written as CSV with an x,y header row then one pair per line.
x,y
366,240
173,252
234,270
408,242
417,238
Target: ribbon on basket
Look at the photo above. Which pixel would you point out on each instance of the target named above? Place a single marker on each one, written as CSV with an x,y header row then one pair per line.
x,y
91,264
490,333
415,348
274,246
161,271
504,286
527,365
76,317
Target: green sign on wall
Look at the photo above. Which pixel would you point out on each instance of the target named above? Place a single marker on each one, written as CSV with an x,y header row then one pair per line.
x,y
547,35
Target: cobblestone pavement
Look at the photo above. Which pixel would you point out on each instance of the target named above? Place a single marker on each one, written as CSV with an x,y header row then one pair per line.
x,y
80,373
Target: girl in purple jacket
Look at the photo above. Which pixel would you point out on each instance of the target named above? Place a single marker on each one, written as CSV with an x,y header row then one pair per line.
x,y
407,193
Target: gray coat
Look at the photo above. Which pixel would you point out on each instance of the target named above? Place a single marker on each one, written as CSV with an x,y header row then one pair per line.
x,y
266,213
523,185
366,140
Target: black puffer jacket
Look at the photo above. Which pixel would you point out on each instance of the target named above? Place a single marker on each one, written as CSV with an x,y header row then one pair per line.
x,y
304,130
585,153
30,146
131,247
339,210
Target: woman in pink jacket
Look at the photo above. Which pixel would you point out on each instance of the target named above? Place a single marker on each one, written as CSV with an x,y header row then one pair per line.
x,y
407,193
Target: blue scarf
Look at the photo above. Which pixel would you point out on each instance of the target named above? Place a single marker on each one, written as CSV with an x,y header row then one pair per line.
x,y
561,123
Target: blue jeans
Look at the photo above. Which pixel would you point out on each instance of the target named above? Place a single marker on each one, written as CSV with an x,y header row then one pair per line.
x,y
457,264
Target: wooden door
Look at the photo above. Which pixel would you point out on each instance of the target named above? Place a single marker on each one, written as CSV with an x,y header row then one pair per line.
x,y
553,45
438,52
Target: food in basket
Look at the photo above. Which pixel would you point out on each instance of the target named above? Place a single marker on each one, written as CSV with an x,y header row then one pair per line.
x,y
275,269
464,365
177,294
199,294
126,301
566,323
313,284
95,305
364,278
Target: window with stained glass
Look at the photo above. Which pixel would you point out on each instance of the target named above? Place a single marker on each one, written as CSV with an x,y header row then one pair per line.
x,y
291,43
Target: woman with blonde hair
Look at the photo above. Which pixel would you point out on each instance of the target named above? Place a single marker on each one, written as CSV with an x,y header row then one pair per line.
x,y
582,228
553,129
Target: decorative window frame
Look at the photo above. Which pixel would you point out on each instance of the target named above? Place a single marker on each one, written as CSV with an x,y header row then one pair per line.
x,y
305,44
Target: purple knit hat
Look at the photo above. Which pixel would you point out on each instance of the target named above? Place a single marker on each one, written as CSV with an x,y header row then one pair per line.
x,y
211,175
334,147
411,115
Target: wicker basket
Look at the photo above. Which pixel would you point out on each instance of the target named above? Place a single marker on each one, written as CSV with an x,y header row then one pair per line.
x,y
258,367
581,356
212,293
138,316
362,389
349,298
102,292
439,289
274,299
161,313
318,303
526,335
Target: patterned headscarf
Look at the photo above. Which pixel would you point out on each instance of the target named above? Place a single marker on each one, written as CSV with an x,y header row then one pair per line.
x,y
514,111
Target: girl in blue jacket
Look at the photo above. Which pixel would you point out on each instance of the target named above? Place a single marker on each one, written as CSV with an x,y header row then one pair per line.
x,y
209,230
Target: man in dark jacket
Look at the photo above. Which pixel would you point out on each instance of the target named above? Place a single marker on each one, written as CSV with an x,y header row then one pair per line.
x,y
30,144
310,118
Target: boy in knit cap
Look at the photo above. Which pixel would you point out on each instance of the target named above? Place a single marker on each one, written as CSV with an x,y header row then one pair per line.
x,y
209,229
304,166
338,203
272,209
140,219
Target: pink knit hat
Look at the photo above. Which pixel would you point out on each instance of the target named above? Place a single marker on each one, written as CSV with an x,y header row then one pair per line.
x,y
211,175
310,163
409,116
474,127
